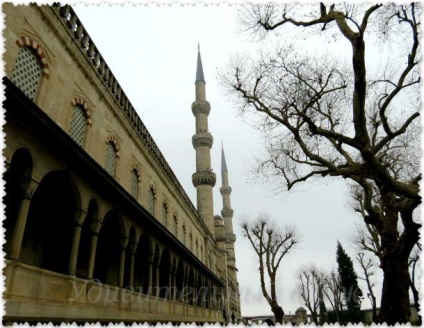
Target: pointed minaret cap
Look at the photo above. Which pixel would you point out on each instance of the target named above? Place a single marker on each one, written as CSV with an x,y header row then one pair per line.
x,y
199,72
223,162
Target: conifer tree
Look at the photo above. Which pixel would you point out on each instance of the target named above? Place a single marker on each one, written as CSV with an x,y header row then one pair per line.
x,y
348,280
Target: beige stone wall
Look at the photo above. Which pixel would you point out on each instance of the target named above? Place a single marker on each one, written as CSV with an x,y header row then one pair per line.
x,y
70,77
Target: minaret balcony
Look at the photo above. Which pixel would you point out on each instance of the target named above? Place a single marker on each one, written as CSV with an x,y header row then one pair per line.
x,y
225,190
231,238
227,213
201,106
204,178
202,139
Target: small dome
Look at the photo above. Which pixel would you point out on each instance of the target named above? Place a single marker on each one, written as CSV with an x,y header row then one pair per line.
x,y
300,309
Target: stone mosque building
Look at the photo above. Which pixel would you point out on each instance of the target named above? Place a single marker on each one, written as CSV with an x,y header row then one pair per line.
x,y
98,228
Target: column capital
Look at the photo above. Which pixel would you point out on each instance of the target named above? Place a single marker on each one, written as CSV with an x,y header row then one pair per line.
x,y
123,242
156,261
31,186
132,246
96,224
79,216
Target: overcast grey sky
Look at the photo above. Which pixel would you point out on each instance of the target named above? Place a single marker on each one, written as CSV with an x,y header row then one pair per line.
x,y
152,51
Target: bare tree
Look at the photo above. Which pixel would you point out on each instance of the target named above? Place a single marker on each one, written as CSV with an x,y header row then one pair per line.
x,y
270,244
365,237
333,291
367,266
310,288
322,118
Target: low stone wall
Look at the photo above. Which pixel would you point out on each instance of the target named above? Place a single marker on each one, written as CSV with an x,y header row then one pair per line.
x,y
33,294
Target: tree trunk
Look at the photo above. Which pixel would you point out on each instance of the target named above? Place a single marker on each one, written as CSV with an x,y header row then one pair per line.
x,y
337,312
416,301
374,308
278,313
315,318
395,307
415,295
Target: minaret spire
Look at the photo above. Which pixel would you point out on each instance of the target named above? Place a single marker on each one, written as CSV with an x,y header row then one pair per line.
x,y
227,212
199,71
223,162
204,179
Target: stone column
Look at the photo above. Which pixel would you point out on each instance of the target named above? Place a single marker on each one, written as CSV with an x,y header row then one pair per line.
x,y
170,282
199,291
133,248
21,219
195,300
210,301
95,227
123,244
175,287
150,272
204,291
183,286
79,219
156,265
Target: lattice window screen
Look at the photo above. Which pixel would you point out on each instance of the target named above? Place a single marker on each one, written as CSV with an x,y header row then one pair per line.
x,y
78,125
152,202
26,73
134,184
164,214
110,159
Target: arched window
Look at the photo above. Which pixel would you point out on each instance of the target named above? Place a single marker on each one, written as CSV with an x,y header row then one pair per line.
x,y
151,200
78,125
110,158
135,181
164,215
26,73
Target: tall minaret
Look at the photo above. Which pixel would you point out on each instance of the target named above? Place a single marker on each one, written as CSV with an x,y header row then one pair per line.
x,y
227,212
204,179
